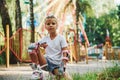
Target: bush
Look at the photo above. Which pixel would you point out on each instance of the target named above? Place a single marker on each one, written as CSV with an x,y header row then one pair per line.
x,y
2,58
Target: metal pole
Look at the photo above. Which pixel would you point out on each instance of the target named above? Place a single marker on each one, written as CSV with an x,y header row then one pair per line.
x,y
7,44
86,52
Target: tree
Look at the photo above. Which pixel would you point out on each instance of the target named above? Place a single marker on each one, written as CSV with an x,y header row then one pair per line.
x,y
96,28
32,21
18,20
118,11
5,17
82,7
6,21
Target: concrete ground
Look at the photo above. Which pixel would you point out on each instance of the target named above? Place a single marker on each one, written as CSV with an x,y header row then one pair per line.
x,y
23,71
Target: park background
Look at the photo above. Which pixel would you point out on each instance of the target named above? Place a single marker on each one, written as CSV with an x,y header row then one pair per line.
x,y
91,27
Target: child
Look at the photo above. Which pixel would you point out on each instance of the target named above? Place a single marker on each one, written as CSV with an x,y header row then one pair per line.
x,y
56,51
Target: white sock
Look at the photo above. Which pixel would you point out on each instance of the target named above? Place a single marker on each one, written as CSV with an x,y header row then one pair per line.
x,y
38,67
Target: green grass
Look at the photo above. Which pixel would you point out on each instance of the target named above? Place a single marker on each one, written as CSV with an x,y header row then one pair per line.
x,y
111,73
87,76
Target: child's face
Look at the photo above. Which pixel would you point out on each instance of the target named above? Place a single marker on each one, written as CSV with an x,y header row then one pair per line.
x,y
51,25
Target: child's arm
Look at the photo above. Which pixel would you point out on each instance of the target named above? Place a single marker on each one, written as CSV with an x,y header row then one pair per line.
x,y
65,53
34,46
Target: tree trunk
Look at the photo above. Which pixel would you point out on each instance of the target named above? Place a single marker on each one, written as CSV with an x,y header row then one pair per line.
x,y
32,21
77,45
6,21
18,24
5,17
18,19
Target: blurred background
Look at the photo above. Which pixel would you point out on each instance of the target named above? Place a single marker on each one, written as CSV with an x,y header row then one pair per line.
x,y
91,27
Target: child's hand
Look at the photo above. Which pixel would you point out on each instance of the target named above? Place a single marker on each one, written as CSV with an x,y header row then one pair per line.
x,y
44,45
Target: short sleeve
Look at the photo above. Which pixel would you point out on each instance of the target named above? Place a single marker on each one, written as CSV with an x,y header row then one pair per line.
x,y
42,40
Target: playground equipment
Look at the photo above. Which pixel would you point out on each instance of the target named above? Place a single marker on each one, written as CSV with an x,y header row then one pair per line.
x,y
16,45
108,51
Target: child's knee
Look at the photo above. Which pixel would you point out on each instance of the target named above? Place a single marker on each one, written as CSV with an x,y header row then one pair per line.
x,y
58,71
31,51
32,48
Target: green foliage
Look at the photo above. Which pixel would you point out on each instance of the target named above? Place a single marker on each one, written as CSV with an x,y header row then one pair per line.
x,y
96,28
53,77
2,58
76,76
85,7
118,12
87,76
111,73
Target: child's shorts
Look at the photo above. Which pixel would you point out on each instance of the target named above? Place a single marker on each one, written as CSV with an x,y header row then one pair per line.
x,y
51,66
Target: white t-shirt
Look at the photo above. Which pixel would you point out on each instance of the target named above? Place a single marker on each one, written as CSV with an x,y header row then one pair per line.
x,y
53,50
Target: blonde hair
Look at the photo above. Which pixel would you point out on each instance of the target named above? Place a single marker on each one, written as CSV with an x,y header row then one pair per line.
x,y
50,16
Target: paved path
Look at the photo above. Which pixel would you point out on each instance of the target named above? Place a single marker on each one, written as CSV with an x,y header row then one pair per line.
x,y
23,71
